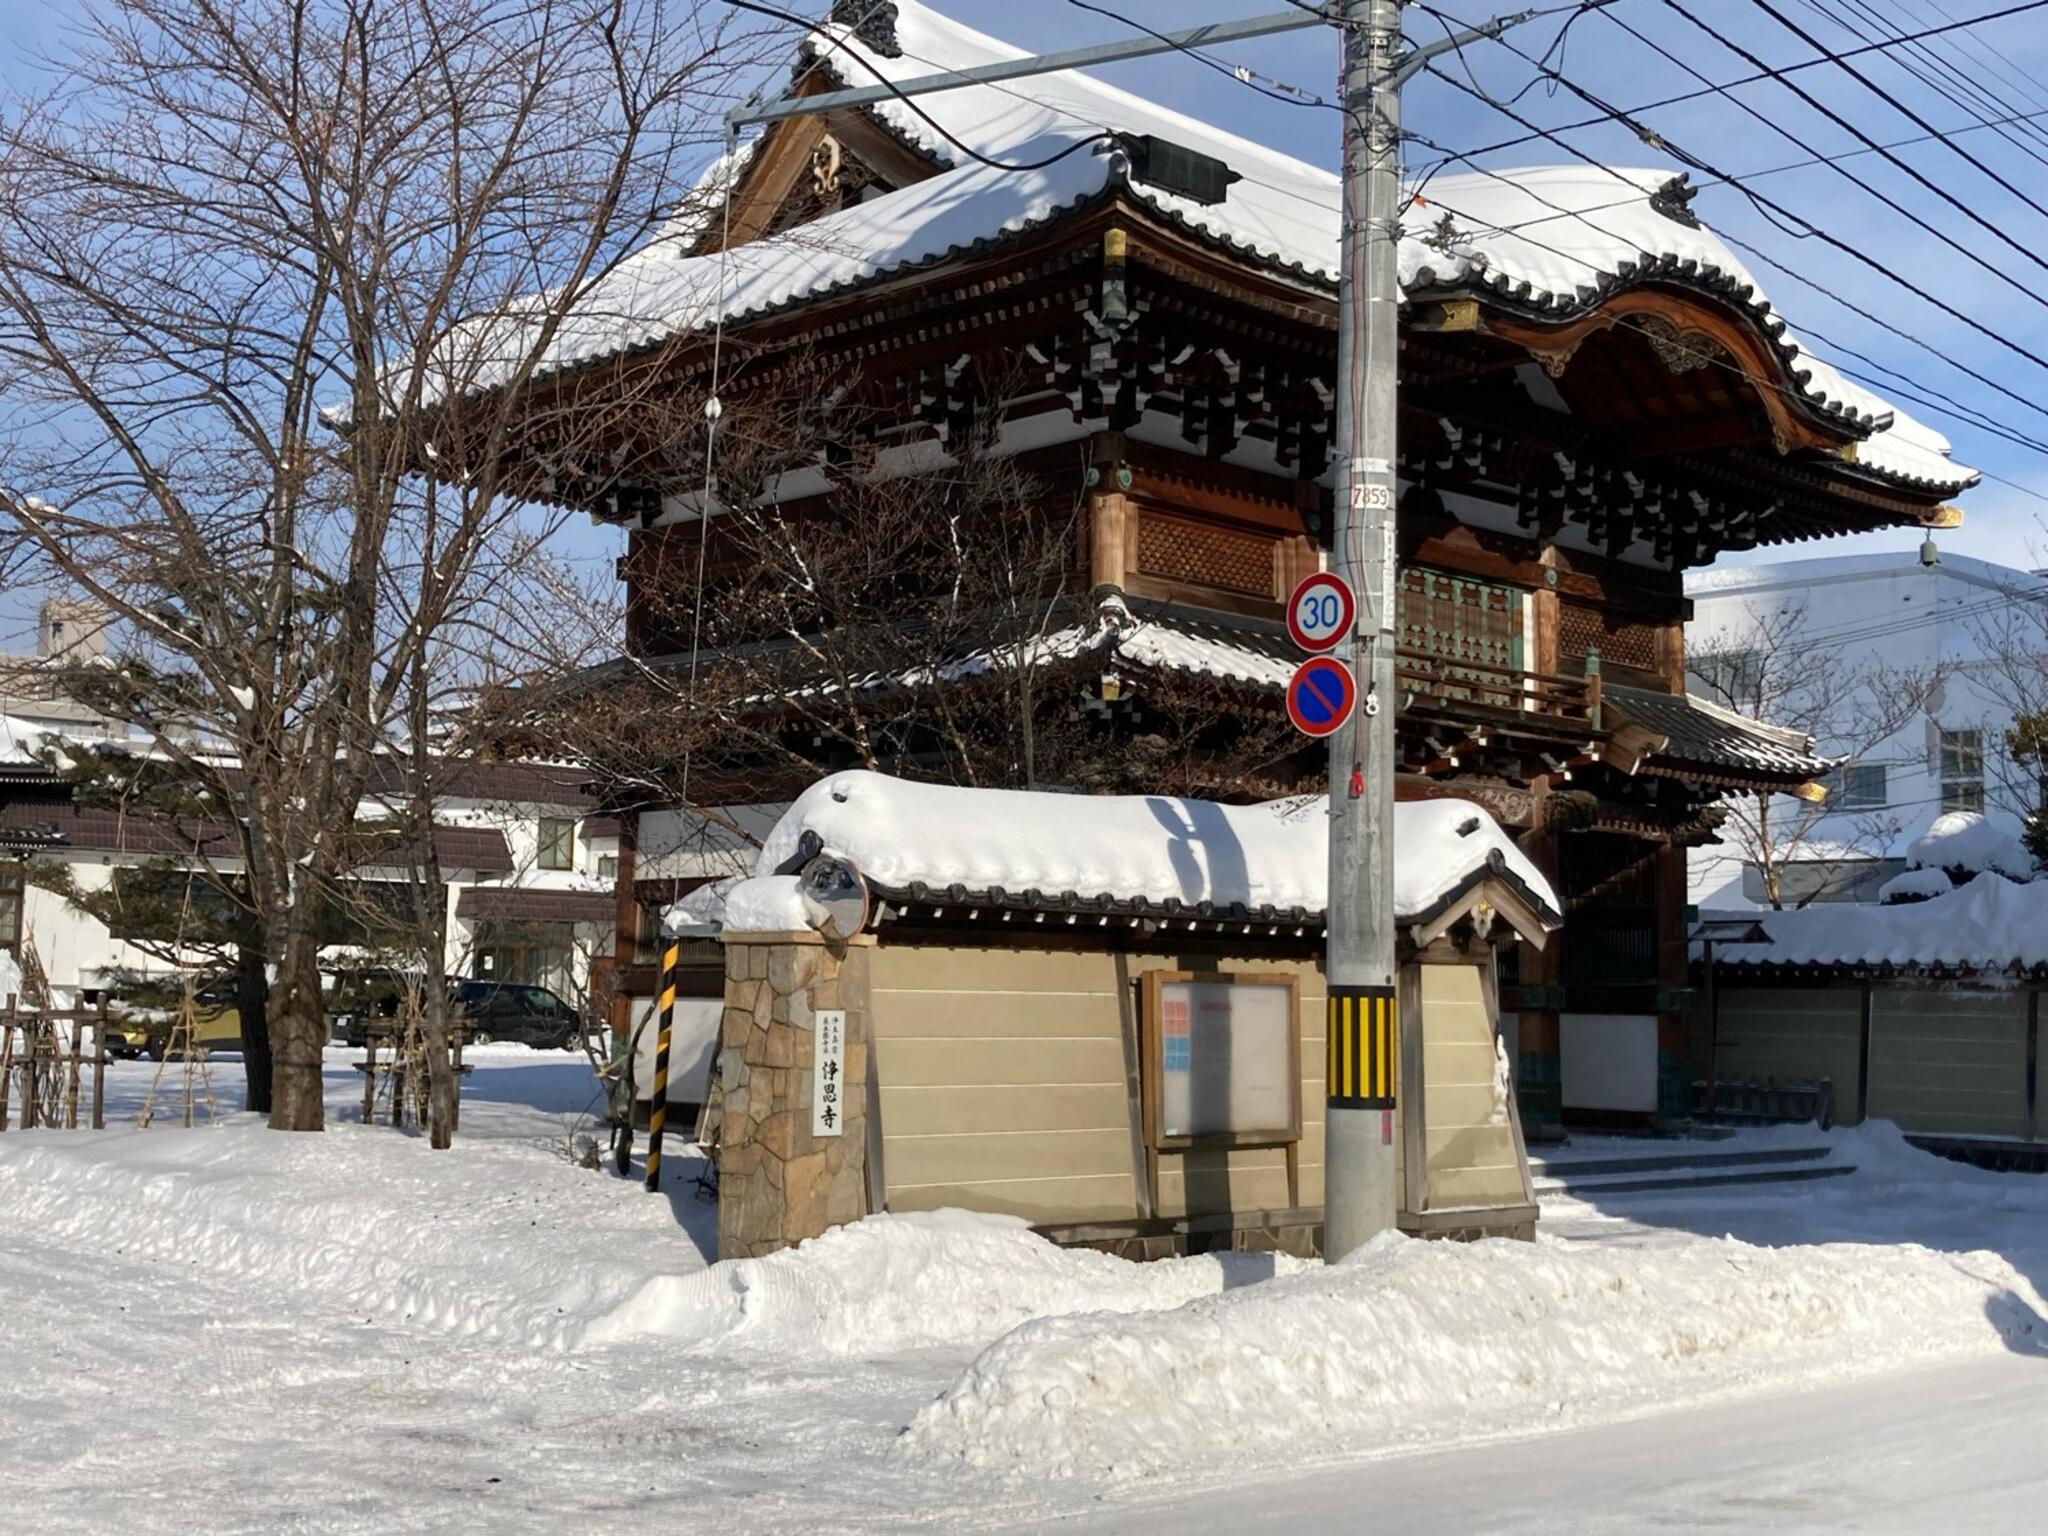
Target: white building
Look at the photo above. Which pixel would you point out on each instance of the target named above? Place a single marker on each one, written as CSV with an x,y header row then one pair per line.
x,y
1831,644
528,866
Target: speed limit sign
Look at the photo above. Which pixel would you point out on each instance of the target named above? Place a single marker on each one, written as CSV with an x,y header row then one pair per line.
x,y
1320,613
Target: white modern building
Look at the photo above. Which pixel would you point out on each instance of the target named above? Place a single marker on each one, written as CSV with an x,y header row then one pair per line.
x,y
1909,667
528,865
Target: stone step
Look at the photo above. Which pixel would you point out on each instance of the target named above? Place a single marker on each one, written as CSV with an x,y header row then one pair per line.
x,y
1554,1188
1571,1167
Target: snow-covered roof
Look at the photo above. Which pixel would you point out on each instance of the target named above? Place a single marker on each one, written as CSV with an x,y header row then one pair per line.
x,y
1554,239
1971,842
1990,926
1768,575
1698,731
1152,853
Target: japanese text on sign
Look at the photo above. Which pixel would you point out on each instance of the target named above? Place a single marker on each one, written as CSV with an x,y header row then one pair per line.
x,y
828,1074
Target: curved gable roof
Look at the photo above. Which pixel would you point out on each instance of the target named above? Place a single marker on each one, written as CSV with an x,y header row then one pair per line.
x,y
1554,241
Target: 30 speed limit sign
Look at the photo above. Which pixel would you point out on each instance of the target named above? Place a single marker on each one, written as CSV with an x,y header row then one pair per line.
x,y
1320,614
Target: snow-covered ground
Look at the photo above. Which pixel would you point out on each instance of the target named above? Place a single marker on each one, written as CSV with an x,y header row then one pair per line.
x,y
226,1330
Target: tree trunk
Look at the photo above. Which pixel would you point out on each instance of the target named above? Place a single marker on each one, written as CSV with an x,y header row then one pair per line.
x,y
441,1083
252,1002
298,1036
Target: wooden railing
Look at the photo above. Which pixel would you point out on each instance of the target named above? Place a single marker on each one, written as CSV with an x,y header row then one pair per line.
x,y
1488,691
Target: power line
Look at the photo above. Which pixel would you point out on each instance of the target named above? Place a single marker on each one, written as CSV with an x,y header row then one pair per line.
x,y
910,102
1276,90
1828,58
1904,110
1865,314
1891,159
1813,231
1581,217
1946,80
1960,412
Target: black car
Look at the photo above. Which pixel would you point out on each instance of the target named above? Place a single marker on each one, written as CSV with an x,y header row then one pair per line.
x,y
527,1015
359,1001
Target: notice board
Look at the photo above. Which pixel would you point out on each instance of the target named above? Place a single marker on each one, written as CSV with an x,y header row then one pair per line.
x,y
1222,1059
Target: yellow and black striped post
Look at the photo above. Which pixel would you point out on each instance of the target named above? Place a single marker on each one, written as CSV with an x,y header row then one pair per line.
x,y
657,1110
1361,1032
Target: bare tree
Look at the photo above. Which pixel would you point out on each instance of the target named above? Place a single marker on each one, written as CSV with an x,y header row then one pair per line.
x,y
261,263
2012,636
1766,669
923,610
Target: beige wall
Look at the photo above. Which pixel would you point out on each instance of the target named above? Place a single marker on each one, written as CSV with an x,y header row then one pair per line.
x,y
1794,1033
1473,1156
1943,1060
1949,1060
1002,1076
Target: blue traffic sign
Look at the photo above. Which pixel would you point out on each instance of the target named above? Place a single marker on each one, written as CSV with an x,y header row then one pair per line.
x,y
1321,696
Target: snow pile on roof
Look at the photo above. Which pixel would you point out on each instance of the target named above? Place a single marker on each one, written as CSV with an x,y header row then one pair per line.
x,y
912,1281
1151,848
1972,842
1990,925
1383,1350
1915,885
1551,235
1554,237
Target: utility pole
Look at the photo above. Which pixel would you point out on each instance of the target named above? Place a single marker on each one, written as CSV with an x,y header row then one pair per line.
x,y
1359,1197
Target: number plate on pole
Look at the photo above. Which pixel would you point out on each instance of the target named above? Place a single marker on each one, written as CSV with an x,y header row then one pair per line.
x,y
1321,696
1320,614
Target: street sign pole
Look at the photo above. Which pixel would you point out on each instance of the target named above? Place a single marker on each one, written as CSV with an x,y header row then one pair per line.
x,y
1358,1161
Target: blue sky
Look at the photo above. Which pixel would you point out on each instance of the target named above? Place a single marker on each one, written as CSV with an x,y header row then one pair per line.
x,y
2003,523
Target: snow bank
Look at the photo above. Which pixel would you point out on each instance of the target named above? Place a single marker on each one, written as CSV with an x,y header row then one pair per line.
x,y
913,1281
1973,843
1416,1341
1129,847
501,1241
1991,925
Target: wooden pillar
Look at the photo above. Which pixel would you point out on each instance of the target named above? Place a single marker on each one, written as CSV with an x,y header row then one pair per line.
x,y
1863,1056
1539,1039
1113,538
1674,975
626,923
2033,1126
99,1069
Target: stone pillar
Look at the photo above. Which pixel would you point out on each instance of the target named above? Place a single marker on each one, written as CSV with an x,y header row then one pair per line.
x,y
778,1183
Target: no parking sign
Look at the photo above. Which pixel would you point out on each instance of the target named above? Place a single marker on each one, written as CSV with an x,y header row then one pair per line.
x,y
1321,696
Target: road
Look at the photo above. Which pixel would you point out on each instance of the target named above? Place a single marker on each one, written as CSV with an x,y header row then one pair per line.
x,y
1958,1449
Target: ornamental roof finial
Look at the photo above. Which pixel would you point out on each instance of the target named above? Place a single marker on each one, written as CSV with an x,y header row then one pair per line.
x,y
873,23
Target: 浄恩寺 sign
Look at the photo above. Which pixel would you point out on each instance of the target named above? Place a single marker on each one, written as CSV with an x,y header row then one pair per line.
x,y
828,1073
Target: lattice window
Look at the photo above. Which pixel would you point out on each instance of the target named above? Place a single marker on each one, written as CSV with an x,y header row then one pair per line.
x,y
1622,642
1176,549
1460,619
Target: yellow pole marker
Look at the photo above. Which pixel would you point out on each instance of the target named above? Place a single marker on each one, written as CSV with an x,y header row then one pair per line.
x,y
1361,1024
657,1112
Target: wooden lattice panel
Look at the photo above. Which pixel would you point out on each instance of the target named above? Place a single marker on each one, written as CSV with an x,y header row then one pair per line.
x,y
1460,619
1176,549
1621,642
